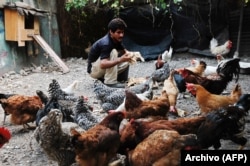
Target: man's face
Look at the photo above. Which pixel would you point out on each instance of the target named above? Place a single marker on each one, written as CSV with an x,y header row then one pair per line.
x,y
118,35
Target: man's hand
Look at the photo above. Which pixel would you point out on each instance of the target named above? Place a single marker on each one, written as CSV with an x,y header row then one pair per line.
x,y
126,57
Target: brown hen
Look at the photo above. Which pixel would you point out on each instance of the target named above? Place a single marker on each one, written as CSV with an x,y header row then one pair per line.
x,y
209,102
162,147
22,108
137,108
137,130
172,91
98,145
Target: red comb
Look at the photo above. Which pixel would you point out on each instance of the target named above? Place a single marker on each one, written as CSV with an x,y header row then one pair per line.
x,y
5,133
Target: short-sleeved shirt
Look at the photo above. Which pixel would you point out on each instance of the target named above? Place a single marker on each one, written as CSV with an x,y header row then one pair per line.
x,y
102,48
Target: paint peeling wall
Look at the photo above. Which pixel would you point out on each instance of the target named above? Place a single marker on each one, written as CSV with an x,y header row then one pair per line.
x,y
15,58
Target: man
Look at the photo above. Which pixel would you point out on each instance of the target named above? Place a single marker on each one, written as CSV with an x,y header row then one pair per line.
x,y
108,60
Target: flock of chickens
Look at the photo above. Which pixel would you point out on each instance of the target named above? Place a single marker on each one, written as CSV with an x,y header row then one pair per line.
x,y
136,130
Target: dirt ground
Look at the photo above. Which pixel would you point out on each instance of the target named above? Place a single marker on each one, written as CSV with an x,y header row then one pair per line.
x,y
19,152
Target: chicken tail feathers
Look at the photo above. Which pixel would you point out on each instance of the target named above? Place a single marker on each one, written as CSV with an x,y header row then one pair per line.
x,y
213,43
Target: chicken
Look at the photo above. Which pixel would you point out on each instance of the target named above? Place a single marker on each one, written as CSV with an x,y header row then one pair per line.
x,y
70,90
147,95
98,145
22,109
210,70
133,81
137,108
52,103
172,91
161,74
167,55
209,102
135,56
199,69
164,57
136,130
222,49
43,97
111,98
83,115
159,62
5,96
226,70
162,147
5,136
53,140
55,90
225,123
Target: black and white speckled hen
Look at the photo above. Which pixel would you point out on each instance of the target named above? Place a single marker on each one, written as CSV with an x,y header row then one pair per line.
x,y
227,123
83,115
55,90
65,106
161,74
53,140
111,98
66,100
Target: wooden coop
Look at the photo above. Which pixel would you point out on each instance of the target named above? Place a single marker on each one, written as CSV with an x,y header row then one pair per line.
x,y
20,27
22,24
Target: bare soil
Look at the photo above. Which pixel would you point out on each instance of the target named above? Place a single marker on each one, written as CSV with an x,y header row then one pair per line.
x,y
19,152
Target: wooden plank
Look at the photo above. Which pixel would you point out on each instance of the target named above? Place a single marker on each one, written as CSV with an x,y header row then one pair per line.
x,y
10,22
51,52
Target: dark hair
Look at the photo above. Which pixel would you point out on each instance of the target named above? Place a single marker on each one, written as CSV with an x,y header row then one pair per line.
x,y
116,23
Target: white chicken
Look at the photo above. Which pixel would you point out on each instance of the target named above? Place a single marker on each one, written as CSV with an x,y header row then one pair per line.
x,y
221,49
164,58
70,90
167,55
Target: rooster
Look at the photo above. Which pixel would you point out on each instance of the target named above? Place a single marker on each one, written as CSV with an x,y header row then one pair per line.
x,y
225,123
22,109
99,144
83,115
226,70
209,102
53,140
222,49
5,136
162,147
